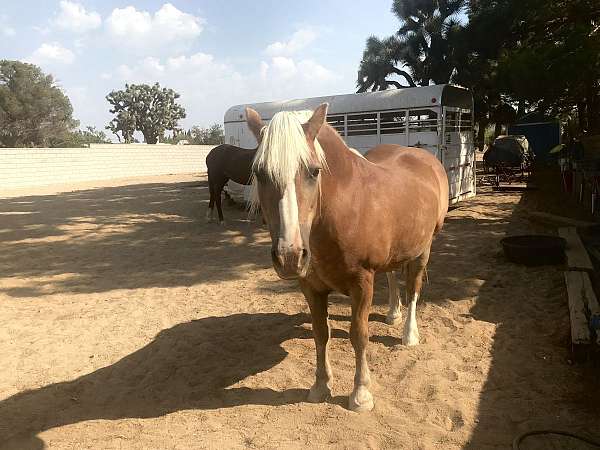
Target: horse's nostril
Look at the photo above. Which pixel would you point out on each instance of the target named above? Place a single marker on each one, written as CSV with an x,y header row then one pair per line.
x,y
304,254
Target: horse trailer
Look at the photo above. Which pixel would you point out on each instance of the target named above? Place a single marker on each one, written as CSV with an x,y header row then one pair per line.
x,y
437,118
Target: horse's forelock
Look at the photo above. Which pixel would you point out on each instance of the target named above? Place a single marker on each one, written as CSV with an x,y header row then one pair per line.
x,y
283,149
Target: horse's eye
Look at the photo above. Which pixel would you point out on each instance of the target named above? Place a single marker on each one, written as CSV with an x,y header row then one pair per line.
x,y
314,171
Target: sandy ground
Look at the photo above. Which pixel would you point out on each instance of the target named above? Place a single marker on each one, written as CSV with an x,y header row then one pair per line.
x,y
126,322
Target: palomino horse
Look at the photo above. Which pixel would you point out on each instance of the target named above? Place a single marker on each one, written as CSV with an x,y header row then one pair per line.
x,y
336,218
226,162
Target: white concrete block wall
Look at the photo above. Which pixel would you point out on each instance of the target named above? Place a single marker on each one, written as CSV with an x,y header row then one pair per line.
x,y
25,167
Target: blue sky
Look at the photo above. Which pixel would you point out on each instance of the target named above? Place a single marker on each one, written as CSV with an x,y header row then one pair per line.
x,y
214,53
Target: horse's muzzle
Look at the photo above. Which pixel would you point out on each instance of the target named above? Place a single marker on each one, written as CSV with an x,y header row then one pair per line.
x,y
291,264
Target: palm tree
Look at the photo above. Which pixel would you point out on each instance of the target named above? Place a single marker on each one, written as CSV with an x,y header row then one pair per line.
x,y
378,62
423,45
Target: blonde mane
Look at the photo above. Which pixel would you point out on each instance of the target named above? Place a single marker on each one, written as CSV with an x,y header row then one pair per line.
x,y
283,150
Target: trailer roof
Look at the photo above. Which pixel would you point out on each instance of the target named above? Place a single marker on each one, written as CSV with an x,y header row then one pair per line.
x,y
417,97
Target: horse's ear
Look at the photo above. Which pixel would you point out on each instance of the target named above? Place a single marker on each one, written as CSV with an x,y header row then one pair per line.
x,y
255,123
317,120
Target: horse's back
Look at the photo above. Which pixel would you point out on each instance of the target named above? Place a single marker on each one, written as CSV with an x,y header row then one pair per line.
x,y
225,151
422,165
227,161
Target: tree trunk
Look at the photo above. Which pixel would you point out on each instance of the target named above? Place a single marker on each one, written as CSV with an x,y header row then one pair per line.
x,y
521,109
593,110
482,125
149,137
406,76
497,129
582,116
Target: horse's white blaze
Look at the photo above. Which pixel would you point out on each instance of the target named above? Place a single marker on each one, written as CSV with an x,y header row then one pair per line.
x,y
289,229
411,332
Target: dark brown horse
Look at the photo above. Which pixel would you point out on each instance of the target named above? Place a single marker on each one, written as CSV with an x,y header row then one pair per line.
x,y
336,218
226,162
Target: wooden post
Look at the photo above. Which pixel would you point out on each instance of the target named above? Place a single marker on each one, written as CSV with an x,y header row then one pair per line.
x,y
577,257
593,307
580,332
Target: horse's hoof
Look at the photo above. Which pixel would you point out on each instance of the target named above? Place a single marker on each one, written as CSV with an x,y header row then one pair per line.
x,y
361,400
393,320
411,339
222,223
319,392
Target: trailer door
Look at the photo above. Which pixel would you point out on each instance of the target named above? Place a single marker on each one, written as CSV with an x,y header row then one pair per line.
x,y
458,152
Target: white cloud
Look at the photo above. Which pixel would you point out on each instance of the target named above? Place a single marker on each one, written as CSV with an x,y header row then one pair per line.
x,y
79,43
43,30
141,29
282,68
74,17
209,86
52,52
299,40
5,29
282,78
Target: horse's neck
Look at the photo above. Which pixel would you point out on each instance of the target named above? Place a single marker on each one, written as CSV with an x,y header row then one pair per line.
x,y
342,168
338,155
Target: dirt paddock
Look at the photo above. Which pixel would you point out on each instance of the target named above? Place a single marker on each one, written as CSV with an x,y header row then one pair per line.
x,y
127,322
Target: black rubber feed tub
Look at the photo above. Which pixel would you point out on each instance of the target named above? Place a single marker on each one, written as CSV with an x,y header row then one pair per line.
x,y
534,249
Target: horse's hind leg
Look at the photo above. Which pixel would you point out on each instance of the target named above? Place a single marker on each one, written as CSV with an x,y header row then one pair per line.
x,y
219,190
362,296
414,282
394,314
317,301
211,203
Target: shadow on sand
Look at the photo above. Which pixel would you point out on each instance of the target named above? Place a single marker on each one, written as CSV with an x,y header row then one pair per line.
x,y
194,365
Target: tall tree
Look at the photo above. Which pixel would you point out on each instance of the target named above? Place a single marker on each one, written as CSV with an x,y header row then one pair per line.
x,y
555,65
423,45
476,48
152,110
33,109
378,63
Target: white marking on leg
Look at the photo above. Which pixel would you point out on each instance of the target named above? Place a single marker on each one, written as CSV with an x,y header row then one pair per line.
x,y
394,314
209,214
321,389
411,332
361,399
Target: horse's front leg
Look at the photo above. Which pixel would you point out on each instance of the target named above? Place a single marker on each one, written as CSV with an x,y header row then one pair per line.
x,y
362,296
317,301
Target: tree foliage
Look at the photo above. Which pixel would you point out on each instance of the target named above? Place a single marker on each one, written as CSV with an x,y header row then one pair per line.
x,y
152,110
212,135
516,56
422,44
82,138
34,111
555,66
